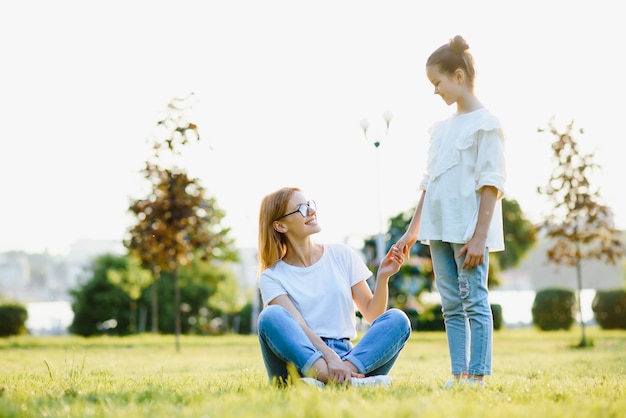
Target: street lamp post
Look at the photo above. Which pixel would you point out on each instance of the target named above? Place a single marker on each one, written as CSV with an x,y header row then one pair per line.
x,y
380,238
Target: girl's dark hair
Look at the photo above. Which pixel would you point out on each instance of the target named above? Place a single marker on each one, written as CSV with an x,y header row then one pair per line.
x,y
453,56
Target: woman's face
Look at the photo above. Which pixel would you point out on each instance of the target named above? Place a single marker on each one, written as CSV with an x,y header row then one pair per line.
x,y
301,215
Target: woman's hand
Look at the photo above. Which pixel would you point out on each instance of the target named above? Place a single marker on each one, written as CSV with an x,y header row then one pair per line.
x,y
392,262
339,372
405,243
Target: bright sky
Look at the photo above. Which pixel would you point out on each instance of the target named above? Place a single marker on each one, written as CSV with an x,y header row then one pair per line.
x,y
281,88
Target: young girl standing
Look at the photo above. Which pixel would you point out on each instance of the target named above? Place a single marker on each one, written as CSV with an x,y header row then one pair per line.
x,y
459,213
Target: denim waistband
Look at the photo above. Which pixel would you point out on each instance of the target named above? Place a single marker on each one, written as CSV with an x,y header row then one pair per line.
x,y
335,339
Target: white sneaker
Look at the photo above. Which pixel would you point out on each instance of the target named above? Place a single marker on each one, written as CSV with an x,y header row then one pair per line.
x,y
452,383
463,382
380,380
312,382
474,382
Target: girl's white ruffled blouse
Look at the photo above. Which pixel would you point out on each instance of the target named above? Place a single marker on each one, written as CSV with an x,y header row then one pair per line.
x,y
466,152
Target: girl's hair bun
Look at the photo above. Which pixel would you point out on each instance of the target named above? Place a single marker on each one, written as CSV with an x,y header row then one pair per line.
x,y
458,45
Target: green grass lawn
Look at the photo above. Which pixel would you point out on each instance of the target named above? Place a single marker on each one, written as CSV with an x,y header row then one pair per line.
x,y
536,374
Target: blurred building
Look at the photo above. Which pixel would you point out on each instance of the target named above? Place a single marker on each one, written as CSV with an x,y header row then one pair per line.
x,y
246,273
42,282
82,253
535,273
14,273
43,277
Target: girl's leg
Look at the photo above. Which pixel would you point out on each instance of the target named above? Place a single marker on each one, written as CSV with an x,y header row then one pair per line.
x,y
378,350
446,268
283,342
478,311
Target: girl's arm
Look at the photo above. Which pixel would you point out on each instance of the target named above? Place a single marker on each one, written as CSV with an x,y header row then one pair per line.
x,y
475,248
410,236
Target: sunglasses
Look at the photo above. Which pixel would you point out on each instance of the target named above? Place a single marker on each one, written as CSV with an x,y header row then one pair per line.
x,y
305,210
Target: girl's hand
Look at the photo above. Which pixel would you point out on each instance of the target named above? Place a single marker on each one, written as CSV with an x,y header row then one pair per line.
x,y
474,252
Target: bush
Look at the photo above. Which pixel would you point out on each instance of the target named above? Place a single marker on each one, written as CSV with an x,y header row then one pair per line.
x,y
609,308
496,311
432,319
101,306
554,309
245,320
13,318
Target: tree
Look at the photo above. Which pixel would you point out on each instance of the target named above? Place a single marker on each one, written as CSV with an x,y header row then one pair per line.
x,y
132,279
199,285
519,235
417,275
115,290
580,226
227,299
100,305
175,222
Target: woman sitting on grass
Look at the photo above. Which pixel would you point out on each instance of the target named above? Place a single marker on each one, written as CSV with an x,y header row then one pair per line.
x,y
309,293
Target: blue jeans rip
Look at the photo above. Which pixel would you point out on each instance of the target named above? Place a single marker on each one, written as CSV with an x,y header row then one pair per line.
x,y
463,287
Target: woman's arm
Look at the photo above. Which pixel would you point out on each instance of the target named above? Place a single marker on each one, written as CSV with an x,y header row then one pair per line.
x,y
330,367
371,305
285,302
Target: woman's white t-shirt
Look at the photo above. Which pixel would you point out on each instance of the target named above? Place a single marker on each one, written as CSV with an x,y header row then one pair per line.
x,y
322,292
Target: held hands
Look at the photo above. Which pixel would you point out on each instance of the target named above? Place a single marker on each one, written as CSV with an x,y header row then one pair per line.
x,y
391,263
405,243
474,251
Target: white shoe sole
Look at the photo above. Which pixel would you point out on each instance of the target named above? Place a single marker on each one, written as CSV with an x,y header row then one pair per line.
x,y
380,380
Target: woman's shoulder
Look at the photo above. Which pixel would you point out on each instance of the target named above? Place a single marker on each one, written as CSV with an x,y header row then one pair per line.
x,y
335,245
339,246
274,270
336,248
339,251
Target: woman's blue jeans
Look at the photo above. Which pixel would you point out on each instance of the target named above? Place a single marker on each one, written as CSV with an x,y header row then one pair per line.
x,y
466,309
284,342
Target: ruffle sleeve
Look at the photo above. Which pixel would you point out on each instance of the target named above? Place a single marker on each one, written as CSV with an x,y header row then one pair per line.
x,y
451,136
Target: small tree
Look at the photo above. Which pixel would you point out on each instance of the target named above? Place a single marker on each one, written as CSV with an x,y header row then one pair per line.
x,y
581,227
520,235
175,222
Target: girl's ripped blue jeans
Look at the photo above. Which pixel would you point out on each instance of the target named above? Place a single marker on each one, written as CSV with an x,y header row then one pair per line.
x,y
466,309
284,342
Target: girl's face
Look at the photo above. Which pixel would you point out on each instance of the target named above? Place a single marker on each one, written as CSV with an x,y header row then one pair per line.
x,y
448,86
